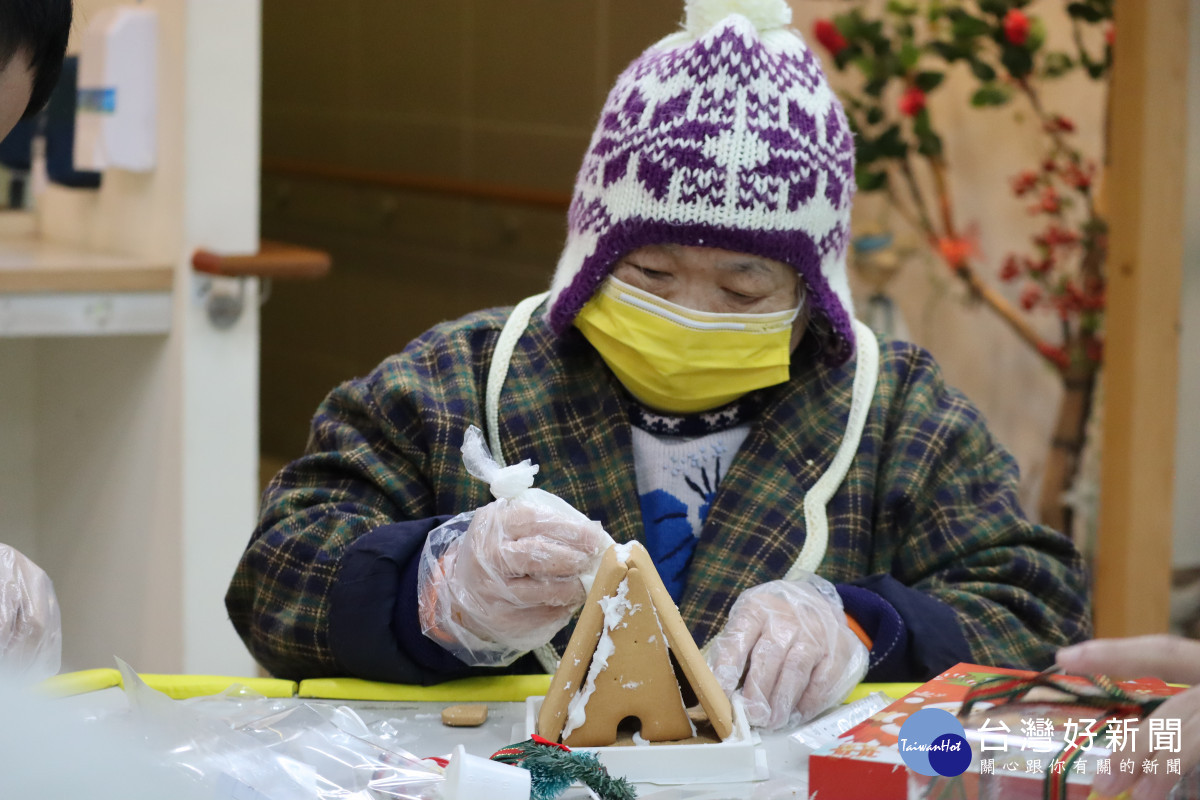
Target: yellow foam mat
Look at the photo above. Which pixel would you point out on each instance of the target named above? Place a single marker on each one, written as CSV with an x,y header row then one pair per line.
x,y
81,682
181,687
177,686
498,689
892,690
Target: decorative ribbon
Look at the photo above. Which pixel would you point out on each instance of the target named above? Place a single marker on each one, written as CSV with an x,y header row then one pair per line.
x,y
1090,691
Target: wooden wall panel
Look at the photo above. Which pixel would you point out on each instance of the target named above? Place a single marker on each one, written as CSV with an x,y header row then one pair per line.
x,y
1146,198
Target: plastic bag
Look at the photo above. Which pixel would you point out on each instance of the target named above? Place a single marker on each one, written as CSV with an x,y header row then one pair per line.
x,y
826,729
52,747
499,581
327,761
30,622
241,745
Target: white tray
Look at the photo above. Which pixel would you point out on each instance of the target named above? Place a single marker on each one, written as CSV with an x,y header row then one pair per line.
x,y
738,759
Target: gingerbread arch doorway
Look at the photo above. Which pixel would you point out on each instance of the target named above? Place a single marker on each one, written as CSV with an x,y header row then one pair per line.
x,y
630,656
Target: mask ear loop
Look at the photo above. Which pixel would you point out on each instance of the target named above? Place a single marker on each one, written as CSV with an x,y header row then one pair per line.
x,y
514,326
816,523
803,308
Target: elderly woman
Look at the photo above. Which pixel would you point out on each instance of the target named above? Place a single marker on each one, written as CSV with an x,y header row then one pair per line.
x,y
820,504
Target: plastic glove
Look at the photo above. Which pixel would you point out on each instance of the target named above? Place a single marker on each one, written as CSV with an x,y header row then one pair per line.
x,y
516,575
30,623
791,641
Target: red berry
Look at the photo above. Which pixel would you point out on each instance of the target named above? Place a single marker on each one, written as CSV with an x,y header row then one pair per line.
x,y
912,102
1025,183
1050,202
1030,297
829,36
1055,354
1011,269
1016,27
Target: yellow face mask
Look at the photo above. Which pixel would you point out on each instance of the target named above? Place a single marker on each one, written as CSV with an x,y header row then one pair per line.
x,y
682,361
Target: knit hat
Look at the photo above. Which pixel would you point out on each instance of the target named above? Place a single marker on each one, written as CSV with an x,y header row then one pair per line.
x,y
725,134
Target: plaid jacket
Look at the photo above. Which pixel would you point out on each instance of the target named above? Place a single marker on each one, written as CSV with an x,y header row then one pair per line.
x,y
930,498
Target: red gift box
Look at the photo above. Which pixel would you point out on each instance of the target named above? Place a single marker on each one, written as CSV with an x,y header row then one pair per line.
x,y
865,762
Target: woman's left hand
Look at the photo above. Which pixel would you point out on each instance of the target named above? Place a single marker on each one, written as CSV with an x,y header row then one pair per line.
x,y
792,642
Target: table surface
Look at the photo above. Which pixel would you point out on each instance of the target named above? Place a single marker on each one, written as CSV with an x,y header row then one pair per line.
x,y
788,773
422,733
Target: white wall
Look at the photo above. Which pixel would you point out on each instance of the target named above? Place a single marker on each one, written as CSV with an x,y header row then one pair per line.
x,y
128,465
107,501
220,431
17,523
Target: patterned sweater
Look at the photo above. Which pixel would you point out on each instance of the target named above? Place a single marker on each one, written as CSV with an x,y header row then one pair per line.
x,y
925,529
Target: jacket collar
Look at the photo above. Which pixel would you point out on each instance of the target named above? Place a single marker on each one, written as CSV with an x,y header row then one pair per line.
x,y
755,528
578,429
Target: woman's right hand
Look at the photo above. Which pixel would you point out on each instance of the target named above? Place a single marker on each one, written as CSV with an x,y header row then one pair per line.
x,y
517,570
513,578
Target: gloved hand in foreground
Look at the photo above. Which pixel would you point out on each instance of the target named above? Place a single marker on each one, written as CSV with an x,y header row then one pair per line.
x,y
513,579
516,575
30,623
791,641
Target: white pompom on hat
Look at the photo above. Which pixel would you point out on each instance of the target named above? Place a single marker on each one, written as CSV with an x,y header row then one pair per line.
x,y
724,134
764,15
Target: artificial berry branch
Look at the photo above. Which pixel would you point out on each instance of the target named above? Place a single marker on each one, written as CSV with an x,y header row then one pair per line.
x,y
901,55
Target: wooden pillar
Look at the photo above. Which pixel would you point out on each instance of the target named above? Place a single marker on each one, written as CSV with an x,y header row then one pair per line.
x,y
1146,201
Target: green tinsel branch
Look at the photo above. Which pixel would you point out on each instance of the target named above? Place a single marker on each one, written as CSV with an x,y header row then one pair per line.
x,y
553,768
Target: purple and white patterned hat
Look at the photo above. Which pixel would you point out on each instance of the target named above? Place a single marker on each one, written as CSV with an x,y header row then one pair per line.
x,y
725,134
